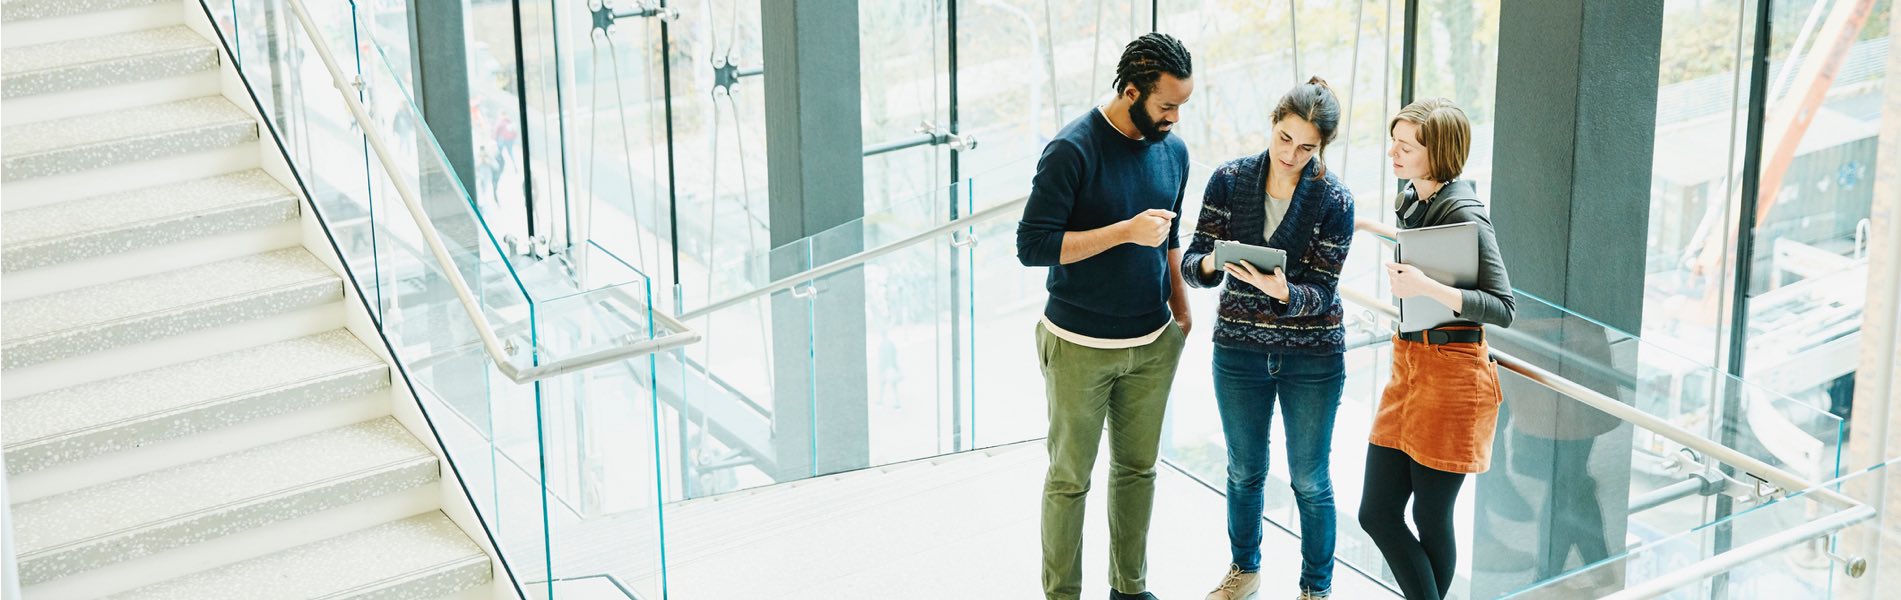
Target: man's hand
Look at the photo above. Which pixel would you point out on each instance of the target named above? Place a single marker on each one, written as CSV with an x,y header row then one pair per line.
x,y
1149,228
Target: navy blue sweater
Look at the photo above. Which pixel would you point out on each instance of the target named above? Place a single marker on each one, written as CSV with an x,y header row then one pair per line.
x,y
1092,176
1315,233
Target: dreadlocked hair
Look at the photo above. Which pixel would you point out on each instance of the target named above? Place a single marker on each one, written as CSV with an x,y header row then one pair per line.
x,y
1147,58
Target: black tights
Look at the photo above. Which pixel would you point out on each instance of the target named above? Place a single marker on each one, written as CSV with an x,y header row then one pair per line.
x,y
1423,564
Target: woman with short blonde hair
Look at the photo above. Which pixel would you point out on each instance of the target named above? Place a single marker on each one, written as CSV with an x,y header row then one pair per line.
x,y
1435,420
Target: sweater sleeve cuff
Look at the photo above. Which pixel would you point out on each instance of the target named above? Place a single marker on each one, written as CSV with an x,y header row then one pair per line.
x,y
1476,308
1191,269
1049,251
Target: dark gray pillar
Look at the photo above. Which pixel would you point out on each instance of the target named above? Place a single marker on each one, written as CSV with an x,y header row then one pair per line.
x,y
440,86
1576,117
439,64
816,180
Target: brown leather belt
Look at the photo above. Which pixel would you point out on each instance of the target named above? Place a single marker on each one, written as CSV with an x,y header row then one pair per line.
x,y
1444,336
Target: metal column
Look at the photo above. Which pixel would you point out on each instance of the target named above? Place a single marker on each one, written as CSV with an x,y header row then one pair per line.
x,y
816,180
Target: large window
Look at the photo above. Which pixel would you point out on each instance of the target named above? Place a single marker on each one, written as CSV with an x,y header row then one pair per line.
x,y
1808,273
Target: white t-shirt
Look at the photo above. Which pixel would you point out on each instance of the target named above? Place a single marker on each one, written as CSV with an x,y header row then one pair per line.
x,y
1102,343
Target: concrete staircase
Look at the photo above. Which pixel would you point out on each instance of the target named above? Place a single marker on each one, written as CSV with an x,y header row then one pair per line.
x,y
188,410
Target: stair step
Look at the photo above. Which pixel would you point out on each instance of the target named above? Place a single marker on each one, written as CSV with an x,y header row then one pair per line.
x,y
140,516
106,60
22,10
116,223
85,142
144,408
76,322
424,556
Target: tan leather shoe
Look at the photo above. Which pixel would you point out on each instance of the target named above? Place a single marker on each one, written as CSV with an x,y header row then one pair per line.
x,y
1236,585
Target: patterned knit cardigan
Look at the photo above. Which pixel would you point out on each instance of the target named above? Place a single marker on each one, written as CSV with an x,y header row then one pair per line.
x,y
1315,233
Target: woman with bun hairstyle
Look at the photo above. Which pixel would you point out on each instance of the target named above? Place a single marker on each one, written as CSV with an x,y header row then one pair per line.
x,y
1435,420
1279,339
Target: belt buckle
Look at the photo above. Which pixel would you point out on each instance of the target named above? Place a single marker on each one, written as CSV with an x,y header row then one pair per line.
x,y
1434,336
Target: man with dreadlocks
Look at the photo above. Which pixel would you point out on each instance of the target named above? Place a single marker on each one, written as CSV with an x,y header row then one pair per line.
x,y
1101,216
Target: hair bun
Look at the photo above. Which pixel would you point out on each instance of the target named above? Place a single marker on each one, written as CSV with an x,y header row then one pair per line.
x,y
1317,80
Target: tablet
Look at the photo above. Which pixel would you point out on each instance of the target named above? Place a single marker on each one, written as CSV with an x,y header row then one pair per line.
x,y
1264,259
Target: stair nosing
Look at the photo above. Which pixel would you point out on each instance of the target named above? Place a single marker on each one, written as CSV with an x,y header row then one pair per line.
x,y
179,308
22,254
238,205
118,137
366,368
445,561
443,568
388,468
80,12
147,55
149,136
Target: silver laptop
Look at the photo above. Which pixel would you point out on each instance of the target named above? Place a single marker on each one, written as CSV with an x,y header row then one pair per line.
x,y
1449,254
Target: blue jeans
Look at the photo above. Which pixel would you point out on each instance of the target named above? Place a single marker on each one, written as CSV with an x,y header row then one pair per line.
x,y
1307,387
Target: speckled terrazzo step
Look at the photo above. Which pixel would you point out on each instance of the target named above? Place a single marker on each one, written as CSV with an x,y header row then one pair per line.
x,y
90,420
144,515
22,10
85,320
424,556
106,60
85,142
115,223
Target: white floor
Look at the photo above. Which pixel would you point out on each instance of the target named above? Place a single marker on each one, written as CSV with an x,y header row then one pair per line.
x,y
959,527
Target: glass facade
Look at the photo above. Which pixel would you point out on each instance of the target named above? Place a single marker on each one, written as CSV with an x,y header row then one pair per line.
x,y
663,143
616,178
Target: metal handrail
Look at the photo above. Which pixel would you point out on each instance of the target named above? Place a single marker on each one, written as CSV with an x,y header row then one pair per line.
x,y
786,283
498,352
1741,555
1630,414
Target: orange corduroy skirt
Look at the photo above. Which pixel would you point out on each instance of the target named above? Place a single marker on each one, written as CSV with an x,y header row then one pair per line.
x,y
1440,406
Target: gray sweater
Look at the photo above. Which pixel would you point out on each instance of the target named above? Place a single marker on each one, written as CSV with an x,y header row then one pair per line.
x,y
1458,202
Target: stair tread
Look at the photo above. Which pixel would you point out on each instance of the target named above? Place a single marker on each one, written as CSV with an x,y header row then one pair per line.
x,y
113,402
159,294
28,60
354,561
47,224
133,123
21,10
225,482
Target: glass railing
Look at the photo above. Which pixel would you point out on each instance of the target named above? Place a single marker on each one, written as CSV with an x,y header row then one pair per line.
x,y
930,343
1808,545
382,188
1551,458
1568,484
921,346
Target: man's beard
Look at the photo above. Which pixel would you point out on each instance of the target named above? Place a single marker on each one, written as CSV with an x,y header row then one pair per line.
x,y
1144,124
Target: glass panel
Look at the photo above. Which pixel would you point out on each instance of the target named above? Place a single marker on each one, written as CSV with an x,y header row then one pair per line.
x,y
1816,567
1702,77
1808,275
495,113
492,420
1458,60
602,90
904,87
600,432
